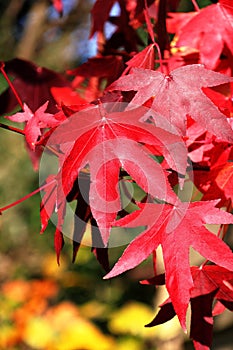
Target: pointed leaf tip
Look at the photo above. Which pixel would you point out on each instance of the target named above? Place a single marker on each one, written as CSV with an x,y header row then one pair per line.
x,y
58,244
76,246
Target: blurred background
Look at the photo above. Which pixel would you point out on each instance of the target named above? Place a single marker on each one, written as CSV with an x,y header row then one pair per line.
x,y
70,307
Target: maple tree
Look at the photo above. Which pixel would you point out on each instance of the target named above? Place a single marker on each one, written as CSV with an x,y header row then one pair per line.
x,y
150,113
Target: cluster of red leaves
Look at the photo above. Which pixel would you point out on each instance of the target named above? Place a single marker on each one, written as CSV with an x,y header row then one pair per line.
x,y
168,100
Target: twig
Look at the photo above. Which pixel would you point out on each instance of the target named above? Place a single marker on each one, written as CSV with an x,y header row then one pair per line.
x,y
195,4
2,65
12,128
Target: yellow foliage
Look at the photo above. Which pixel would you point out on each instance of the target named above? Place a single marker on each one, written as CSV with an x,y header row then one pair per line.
x,y
8,336
38,333
61,327
131,318
81,334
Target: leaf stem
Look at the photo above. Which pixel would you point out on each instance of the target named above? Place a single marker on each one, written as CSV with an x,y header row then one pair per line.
x,y
162,34
12,128
148,22
154,258
52,150
160,57
195,4
25,197
151,33
2,65
21,132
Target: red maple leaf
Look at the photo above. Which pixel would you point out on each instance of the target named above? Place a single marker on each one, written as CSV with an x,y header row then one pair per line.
x,y
201,328
144,59
223,101
66,95
202,33
210,282
178,95
108,141
100,13
35,122
33,84
48,204
199,142
210,278
124,35
177,20
174,228
109,67
217,182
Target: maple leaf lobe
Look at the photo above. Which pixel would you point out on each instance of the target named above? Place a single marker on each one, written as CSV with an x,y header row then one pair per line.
x,y
178,95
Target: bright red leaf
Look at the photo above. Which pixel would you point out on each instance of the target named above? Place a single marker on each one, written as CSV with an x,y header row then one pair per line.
x,y
144,59
179,94
209,278
107,141
66,95
220,183
176,20
203,33
217,182
35,122
224,102
174,228
48,204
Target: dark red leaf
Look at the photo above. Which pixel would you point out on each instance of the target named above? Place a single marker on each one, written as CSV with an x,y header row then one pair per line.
x,y
100,13
210,282
33,84
109,67
82,211
166,313
202,321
